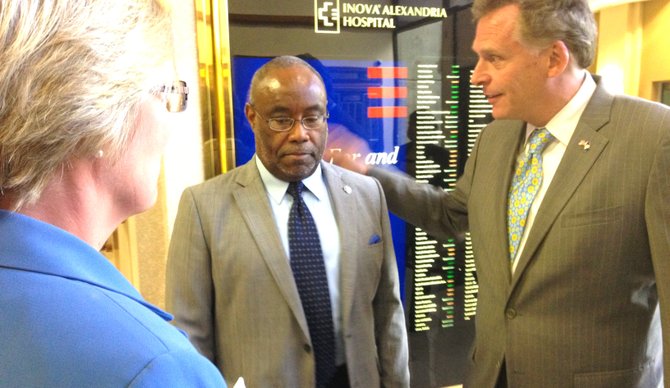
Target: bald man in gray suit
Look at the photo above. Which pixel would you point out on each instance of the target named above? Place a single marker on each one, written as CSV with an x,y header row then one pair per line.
x,y
577,303
230,282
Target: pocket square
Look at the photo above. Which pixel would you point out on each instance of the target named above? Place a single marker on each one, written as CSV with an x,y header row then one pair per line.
x,y
374,239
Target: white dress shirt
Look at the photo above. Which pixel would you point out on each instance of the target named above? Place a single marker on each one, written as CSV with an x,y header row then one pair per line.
x,y
317,199
561,126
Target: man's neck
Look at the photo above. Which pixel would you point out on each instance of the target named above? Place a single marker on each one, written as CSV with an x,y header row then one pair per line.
x,y
561,89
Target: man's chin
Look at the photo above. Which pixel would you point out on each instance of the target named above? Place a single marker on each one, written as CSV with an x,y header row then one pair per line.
x,y
296,171
499,114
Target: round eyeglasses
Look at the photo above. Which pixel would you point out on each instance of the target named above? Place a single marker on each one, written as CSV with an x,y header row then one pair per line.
x,y
284,124
174,95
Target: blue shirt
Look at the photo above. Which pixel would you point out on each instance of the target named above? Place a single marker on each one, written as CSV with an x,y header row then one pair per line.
x,y
68,318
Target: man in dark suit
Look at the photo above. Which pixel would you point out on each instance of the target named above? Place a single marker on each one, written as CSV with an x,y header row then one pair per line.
x,y
572,298
230,279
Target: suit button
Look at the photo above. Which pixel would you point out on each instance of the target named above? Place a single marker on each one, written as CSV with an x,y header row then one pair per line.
x,y
307,348
510,313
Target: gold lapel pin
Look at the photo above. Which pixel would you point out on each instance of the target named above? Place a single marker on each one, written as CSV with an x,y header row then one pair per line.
x,y
585,144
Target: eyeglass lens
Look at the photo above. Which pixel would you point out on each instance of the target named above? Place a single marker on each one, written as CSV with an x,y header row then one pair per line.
x,y
286,123
175,95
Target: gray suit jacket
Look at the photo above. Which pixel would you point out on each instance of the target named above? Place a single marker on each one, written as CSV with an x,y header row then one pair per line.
x,y
230,285
581,309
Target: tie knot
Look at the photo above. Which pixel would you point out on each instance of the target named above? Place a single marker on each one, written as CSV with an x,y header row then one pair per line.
x,y
295,189
538,140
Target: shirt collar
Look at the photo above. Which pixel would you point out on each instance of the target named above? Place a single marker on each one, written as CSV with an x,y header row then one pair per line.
x,y
563,124
276,187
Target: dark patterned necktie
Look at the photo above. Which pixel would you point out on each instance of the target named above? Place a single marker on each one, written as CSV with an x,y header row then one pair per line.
x,y
525,184
309,272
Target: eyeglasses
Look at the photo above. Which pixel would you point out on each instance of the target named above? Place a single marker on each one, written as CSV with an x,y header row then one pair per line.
x,y
175,95
283,124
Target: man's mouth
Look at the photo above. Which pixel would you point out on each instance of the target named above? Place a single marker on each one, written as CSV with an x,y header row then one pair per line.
x,y
492,97
298,154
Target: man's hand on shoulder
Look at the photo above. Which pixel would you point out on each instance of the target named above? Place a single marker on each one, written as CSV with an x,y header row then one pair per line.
x,y
346,150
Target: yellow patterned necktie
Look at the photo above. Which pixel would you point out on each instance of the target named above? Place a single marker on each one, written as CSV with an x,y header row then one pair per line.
x,y
525,184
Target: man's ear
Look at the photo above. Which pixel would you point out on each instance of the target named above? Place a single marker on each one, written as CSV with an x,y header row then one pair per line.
x,y
559,58
250,113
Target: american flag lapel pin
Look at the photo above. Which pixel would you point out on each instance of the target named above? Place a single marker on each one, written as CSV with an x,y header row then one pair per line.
x,y
585,144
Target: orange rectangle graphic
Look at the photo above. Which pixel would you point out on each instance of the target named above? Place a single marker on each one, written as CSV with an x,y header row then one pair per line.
x,y
387,92
387,72
378,112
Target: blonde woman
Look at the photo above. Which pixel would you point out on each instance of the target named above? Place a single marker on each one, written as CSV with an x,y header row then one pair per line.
x,y
86,89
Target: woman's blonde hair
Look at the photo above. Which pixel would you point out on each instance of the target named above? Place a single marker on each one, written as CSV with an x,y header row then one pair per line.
x,y
72,74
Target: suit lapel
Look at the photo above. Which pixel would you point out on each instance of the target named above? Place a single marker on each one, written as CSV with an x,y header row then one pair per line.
x,y
508,138
344,206
253,203
575,164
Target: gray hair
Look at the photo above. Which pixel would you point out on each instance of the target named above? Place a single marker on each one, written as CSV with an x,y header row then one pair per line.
x,y
543,21
281,62
72,75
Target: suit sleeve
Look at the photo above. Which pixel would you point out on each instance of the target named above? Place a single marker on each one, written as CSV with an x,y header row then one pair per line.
x,y
390,331
657,216
189,289
441,214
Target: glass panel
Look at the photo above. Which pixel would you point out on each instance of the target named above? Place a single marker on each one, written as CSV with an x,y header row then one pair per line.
x,y
397,74
665,93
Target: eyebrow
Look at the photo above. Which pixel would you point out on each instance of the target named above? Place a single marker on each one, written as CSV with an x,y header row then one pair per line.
x,y
285,110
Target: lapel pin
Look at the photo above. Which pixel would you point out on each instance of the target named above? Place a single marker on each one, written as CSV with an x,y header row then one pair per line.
x,y
585,144
347,189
